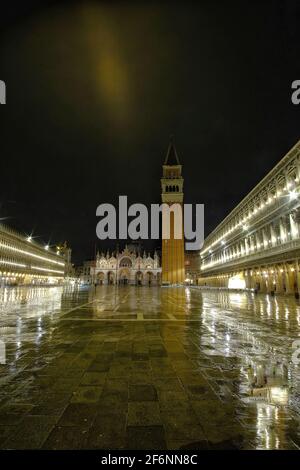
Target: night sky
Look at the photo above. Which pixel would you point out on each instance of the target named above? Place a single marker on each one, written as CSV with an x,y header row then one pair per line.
x,y
94,90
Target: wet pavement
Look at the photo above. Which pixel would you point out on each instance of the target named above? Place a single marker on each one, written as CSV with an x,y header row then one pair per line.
x,y
148,368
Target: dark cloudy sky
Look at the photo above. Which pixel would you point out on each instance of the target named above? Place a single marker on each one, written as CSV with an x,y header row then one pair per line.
x,y
94,89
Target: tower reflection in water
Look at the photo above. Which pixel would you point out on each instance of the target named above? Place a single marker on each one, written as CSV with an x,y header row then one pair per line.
x,y
258,331
268,389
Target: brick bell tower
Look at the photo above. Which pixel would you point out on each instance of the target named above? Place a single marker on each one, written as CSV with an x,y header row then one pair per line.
x,y
173,270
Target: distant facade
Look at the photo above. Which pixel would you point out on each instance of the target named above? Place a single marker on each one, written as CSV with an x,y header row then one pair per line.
x,y
128,266
85,272
173,270
66,252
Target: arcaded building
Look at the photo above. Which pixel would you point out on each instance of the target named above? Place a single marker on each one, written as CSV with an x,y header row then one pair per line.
x,y
257,246
24,261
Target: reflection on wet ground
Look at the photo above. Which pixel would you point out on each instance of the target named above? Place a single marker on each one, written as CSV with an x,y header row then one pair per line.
x,y
148,368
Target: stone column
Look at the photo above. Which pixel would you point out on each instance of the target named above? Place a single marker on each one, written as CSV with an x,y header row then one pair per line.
x,y
265,238
252,244
289,288
262,281
247,279
242,249
273,235
294,227
256,278
297,275
246,247
257,241
282,230
293,278
272,278
286,180
298,169
280,279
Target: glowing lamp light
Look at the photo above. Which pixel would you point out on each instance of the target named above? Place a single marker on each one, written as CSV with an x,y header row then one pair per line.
x,y
279,395
47,247
236,282
29,239
293,195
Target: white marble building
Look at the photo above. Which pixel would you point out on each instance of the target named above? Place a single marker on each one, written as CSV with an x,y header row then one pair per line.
x,y
127,267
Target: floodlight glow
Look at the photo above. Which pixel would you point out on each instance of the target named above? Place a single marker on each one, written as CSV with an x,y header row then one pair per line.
x,y
279,395
236,282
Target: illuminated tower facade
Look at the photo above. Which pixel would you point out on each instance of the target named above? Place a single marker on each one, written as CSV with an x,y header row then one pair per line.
x,y
173,271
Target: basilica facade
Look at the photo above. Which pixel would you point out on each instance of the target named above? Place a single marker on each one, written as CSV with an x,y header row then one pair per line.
x,y
128,266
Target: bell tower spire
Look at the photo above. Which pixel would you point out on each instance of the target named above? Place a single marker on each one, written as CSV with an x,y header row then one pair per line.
x,y
172,193
171,157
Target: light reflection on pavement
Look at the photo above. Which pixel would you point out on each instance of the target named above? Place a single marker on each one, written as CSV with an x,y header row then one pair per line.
x,y
143,367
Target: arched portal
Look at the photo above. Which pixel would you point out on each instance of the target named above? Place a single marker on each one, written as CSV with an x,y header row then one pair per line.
x,y
149,278
139,278
110,278
126,262
100,278
124,276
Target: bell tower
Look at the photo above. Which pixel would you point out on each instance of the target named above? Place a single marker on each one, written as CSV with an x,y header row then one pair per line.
x,y
173,270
